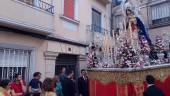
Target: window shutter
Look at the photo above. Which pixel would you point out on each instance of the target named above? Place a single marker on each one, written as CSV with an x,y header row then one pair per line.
x,y
69,8
160,11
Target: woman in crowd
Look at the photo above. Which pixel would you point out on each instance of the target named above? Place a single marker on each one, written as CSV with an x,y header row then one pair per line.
x,y
48,87
58,87
5,88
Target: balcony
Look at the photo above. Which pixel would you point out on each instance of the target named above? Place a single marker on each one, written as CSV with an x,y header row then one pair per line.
x,y
160,22
159,14
34,17
40,4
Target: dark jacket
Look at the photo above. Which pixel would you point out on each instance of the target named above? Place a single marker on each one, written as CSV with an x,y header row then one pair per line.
x,y
68,87
153,91
83,86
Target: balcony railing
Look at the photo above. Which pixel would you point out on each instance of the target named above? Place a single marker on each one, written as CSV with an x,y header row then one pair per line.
x,y
94,28
160,22
95,32
40,4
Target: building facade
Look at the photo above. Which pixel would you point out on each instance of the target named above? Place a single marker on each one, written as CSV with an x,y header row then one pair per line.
x,y
154,13
46,35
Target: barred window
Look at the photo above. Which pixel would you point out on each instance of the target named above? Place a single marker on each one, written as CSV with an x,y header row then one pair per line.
x,y
14,61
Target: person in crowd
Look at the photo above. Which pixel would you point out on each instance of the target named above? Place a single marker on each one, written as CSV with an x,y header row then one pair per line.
x,y
5,88
48,87
62,74
83,85
58,87
35,86
68,84
73,78
18,85
152,90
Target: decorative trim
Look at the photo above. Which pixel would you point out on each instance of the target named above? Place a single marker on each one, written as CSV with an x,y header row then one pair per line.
x,y
50,55
123,76
129,69
70,20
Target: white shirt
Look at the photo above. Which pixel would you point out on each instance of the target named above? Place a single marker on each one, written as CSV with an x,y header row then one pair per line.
x,y
150,85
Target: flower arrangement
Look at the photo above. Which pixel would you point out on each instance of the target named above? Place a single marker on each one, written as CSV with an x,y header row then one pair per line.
x,y
128,57
145,48
159,45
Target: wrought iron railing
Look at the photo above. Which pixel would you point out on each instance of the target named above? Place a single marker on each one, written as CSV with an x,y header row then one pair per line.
x,y
94,28
40,4
161,22
95,32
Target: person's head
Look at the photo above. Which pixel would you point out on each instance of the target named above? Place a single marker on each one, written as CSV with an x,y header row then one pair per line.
x,y
83,72
5,84
56,78
69,73
37,75
63,70
129,12
48,85
18,77
150,79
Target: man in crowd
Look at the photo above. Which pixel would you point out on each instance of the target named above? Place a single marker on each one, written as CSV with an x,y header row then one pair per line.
x,y
152,90
35,86
18,85
62,74
83,84
68,84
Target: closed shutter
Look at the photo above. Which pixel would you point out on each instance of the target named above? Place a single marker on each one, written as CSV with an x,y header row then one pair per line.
x,y
69,8
68,61
160,11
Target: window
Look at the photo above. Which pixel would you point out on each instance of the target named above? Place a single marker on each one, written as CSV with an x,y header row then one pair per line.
x,y
14,61
96,21
69,8
160,13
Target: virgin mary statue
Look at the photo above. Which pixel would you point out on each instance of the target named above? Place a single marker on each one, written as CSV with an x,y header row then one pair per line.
x,y
136,30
